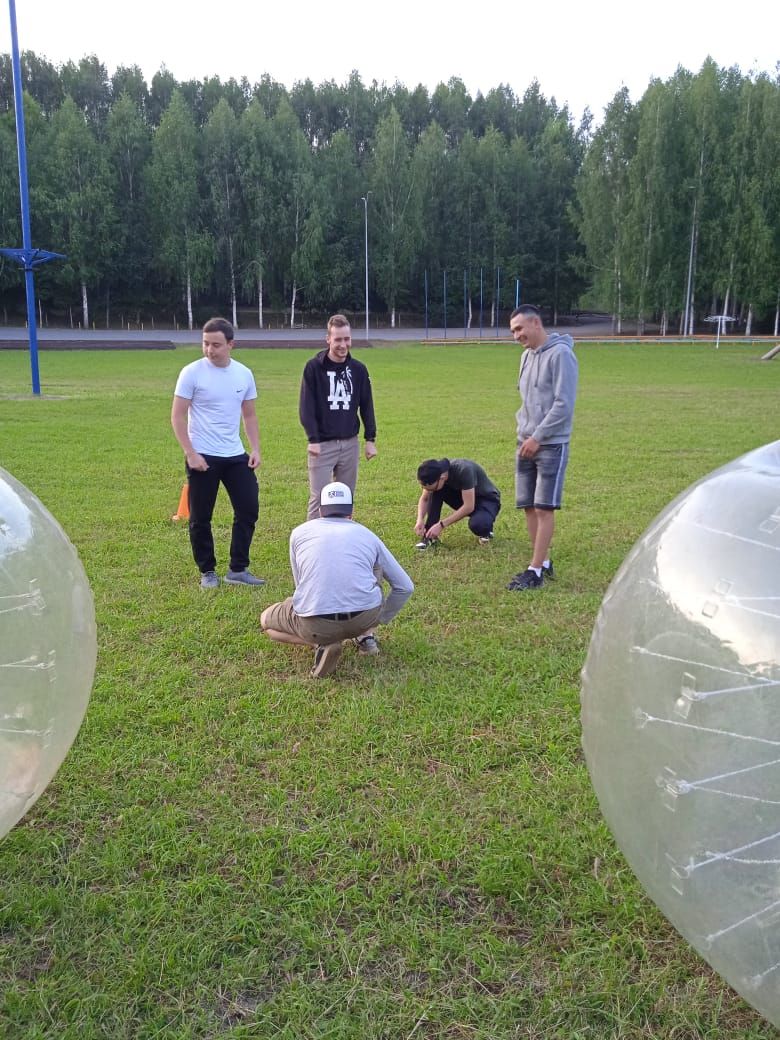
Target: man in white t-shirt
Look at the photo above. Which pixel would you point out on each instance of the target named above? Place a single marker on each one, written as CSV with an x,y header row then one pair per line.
x,y
213,396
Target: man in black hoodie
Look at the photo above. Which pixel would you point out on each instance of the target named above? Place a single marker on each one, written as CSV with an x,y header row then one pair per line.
x,y
334,388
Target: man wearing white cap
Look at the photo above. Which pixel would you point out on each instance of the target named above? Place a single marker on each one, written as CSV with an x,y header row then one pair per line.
x,y
337,566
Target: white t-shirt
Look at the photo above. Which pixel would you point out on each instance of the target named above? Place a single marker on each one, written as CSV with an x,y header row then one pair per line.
x,y
215,395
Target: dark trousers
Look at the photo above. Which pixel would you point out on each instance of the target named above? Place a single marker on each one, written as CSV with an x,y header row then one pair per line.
x,y
241,485
480,521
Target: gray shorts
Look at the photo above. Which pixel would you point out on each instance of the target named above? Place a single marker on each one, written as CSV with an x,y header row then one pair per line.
x,y
318,631
539,481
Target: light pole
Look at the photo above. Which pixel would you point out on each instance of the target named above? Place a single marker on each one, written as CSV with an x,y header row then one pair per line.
x,y
688,327
365,210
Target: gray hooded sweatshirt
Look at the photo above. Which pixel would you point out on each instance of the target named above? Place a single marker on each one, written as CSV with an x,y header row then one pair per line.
x,y
548,385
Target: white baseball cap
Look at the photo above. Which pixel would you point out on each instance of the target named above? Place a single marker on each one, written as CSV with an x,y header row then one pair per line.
x,y
336,500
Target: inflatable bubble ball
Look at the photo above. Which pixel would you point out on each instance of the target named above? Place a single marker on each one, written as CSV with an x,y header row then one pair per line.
x,y
47,648
681,719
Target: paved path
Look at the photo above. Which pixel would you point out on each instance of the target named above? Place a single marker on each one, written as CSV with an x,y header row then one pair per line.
x,y
309,338
314,339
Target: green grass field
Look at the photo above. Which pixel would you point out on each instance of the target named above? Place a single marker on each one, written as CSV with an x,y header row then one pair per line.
x,y
411,849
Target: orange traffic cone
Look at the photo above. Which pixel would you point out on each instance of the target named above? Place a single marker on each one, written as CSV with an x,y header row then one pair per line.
x,y
183,511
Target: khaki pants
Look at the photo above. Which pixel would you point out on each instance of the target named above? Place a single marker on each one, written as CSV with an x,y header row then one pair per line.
x,y
317,631
337,460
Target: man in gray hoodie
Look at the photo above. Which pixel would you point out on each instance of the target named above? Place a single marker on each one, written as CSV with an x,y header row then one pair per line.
x,y
548,386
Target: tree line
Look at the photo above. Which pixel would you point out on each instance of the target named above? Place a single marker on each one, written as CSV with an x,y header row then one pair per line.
x,y
175,198
678,202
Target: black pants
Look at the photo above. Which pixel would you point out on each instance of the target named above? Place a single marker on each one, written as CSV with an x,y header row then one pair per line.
x,y
480,521
241,485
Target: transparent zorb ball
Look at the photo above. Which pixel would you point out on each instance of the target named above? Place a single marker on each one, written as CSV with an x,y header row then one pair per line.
x,y
47,648
681,719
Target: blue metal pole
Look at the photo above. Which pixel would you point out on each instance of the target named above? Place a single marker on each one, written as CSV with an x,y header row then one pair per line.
x,y
517,292
445,304
426,304
365,208
24,196
498,296
480,303
465,304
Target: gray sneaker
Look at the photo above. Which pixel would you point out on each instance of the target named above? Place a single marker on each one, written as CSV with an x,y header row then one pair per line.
x,y
325,660
242,578
209,580
367,645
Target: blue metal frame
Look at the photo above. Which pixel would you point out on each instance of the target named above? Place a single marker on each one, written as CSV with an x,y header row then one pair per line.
x,y
498,297
465,303
445,304
426,303
27,257
480,303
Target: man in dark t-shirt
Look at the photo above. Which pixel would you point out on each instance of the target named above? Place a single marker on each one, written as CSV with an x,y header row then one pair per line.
x,y
466,488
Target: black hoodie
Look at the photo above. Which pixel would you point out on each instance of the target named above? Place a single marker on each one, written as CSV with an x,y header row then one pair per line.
x,y
332,393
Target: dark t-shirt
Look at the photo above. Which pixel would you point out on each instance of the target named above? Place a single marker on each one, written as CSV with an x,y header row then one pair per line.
x,y
465,475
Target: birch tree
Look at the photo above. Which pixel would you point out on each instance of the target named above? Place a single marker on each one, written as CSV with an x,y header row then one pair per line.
x,y
184,249
339,188
128,147
256,178
602,204
653,174
81,206
220,147
757,167
392,186
89,86
559,156
491,165
293,175
704,142
432,203
523,218
463,215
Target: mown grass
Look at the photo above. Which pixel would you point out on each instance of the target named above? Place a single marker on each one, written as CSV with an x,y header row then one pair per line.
x,y
409,849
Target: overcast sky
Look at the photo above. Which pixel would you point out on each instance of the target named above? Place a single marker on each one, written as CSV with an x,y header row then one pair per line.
x,y
580,53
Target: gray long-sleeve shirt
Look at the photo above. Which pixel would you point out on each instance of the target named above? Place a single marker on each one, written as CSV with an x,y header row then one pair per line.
x,y
338,565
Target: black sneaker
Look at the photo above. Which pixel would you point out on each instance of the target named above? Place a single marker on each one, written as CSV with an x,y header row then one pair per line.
x,y
526,580
548,572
